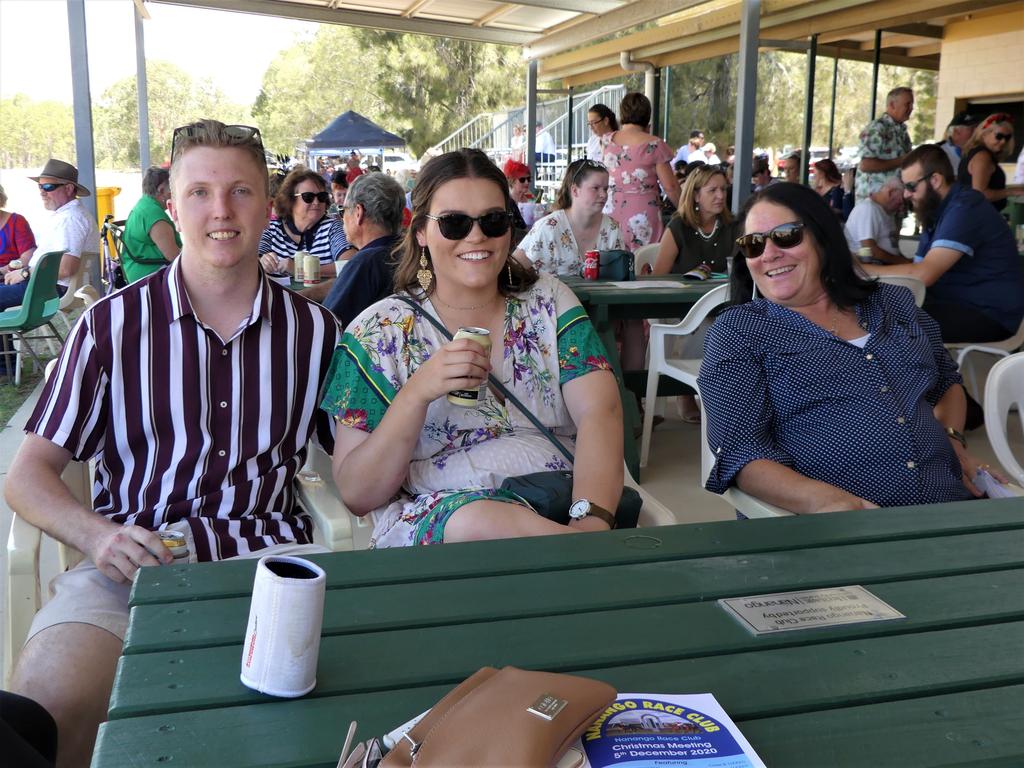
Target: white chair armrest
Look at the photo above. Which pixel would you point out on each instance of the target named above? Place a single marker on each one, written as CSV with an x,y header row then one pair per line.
x,y
23,590
653,513
753,507
338,528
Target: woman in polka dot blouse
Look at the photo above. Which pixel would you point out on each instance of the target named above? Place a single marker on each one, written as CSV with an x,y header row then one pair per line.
x,y
829,391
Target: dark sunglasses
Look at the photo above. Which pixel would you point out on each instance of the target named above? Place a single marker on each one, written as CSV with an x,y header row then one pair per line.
x,y
784,236
587,164
243,133
524,179
49,186
910,186
455,226
1003,136
309,197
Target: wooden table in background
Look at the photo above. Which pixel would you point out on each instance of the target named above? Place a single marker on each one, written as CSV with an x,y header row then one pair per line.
x,y
944,686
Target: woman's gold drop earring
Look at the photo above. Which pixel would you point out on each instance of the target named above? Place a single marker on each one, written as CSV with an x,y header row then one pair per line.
x,y
424,275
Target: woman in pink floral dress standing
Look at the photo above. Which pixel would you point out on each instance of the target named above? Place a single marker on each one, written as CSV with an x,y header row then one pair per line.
x,y
637,162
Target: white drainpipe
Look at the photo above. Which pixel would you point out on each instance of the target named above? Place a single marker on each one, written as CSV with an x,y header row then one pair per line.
x,y
627,63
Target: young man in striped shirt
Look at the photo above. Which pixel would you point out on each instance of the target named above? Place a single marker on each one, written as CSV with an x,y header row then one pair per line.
x,y
195,392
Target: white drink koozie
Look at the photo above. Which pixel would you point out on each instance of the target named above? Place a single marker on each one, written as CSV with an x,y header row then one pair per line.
x,y
282,639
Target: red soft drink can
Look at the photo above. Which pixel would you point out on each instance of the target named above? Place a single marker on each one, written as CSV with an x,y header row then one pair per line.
x,y
591,265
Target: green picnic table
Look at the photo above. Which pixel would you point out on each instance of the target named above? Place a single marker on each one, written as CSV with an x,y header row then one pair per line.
x,y
608,302
636,608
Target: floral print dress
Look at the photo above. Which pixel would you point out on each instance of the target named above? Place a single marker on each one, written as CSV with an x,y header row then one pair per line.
x,y
552,247
464,454
635,194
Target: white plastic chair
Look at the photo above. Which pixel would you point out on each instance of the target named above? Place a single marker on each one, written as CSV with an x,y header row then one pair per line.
x,y
916,287
684,370
336,527
742,502
72,297
645,254
1003,390
998,348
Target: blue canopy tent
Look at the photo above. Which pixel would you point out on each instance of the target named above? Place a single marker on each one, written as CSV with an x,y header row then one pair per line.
x,y
350,131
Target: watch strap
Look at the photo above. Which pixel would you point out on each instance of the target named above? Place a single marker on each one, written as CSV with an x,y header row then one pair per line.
x,y
601,514
957,435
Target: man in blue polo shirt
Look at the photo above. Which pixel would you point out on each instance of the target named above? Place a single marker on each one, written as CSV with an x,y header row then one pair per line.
x,y
967,255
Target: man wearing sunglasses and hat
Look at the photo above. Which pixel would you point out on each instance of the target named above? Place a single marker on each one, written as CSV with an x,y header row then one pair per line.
x,y
71,230
194,390
958,133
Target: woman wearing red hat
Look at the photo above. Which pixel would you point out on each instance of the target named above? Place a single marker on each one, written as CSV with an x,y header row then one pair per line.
x,y
519,178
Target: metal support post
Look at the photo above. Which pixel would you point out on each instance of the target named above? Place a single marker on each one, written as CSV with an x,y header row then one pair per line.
x,y
746,101
531,118
666,104
85,157
876,60
812,58
570,119
656,102
832,110
142,91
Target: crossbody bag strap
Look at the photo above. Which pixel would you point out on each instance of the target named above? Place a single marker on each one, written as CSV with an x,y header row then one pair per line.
x,y
419,310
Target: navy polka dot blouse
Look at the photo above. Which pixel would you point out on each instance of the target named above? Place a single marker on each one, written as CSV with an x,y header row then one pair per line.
x,y
776,386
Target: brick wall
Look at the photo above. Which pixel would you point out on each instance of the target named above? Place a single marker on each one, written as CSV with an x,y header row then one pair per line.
x,y
981,56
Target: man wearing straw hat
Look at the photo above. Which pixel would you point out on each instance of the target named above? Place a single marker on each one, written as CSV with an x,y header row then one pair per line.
x,y
71,230
184,389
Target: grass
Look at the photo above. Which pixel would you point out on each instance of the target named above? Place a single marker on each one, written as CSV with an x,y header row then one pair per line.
x,y
12,397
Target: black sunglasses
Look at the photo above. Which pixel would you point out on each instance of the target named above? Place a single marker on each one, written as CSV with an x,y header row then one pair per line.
x,y
243,133
910,186
49,186
309,197
455,226
584,164
784,236
1003,136
524,179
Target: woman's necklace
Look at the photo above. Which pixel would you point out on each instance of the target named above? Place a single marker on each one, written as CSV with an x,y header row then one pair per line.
x,y
707,237
465,309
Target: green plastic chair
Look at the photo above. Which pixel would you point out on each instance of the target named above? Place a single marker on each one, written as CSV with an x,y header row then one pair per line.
x,y
37,309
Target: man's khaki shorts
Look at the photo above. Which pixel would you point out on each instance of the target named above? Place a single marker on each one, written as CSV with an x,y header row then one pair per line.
x,y
84,595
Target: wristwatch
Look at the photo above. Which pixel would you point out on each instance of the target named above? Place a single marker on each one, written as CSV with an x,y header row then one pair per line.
x,y
582,508
25,273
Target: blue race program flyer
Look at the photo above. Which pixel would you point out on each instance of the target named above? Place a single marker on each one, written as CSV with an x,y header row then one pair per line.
x,y
655,730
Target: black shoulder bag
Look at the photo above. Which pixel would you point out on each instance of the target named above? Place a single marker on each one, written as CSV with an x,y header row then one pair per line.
x,y
549,493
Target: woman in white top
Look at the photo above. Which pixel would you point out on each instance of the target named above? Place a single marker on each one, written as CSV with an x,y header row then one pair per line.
x,y
557,242
601,120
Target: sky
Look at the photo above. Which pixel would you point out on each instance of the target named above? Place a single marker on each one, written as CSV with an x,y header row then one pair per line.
x,y
231,49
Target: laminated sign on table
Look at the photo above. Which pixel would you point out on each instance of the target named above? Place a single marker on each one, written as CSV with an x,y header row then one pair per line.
x,y
807,609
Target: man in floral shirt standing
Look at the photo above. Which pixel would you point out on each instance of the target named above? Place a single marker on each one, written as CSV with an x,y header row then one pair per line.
x,y
884,143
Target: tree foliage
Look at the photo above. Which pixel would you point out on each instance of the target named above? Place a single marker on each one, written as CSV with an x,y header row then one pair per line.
x,y
31,132
419,87
175,98
703,95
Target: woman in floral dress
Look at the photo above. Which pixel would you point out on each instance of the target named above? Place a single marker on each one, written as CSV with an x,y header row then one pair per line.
x,y
557,242
637,162
429,470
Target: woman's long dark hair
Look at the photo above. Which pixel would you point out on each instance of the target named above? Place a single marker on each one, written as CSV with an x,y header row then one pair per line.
x,y
843,284
459,164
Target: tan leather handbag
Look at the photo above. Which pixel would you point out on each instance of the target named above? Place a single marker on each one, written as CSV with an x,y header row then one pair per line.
x,y
508,718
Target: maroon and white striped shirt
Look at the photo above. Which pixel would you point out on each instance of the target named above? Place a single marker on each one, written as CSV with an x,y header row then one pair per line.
x,y
183,426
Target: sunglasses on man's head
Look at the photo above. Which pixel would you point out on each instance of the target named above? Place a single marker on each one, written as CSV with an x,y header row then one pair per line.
x,y
243,133
784,236
455,226
49,186
1003,136
309,197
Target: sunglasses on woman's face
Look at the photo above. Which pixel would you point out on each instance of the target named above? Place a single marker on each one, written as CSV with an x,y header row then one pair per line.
x,y
309,197
784,236
1003,136
455,226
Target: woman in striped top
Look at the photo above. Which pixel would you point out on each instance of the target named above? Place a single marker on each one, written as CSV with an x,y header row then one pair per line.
x,y
302,224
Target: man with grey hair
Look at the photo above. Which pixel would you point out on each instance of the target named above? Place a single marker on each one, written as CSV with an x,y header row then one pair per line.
x,y
870,229
373,217
884,143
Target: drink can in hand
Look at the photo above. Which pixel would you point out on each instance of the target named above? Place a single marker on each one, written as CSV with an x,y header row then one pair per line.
x,y
468,398
591,265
